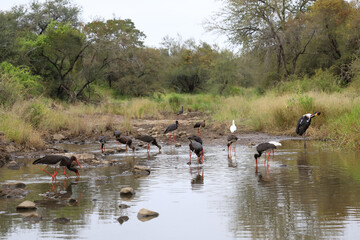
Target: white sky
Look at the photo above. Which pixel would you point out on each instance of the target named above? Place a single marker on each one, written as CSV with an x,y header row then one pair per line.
x,y
155,18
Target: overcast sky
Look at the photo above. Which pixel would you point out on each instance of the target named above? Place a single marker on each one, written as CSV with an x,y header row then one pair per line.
x,y
155,18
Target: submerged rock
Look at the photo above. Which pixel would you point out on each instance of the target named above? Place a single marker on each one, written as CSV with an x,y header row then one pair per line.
x,y
123,219
26,205
177,145
13,193
146,215
141,170
61,220
123,206
13,165
13,185
34,217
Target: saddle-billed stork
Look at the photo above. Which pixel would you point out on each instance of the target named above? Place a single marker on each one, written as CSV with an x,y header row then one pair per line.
x,y
304,123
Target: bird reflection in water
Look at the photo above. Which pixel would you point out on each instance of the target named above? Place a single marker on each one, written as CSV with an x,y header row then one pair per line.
x,y
55,199
232,160
198,180
260,176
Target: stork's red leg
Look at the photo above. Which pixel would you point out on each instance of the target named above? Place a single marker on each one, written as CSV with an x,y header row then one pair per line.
x,y
48,172
65,173
174,137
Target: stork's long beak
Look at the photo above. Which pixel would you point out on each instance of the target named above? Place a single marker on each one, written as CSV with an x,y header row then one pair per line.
x,y
77,162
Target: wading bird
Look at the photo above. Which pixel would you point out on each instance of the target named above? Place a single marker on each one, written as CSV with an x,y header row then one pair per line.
x,y
198,125
233,127
102,140
181,112
172,128
304,123
58,161
230,140
265,147
197,148
196,138
148,139
127,141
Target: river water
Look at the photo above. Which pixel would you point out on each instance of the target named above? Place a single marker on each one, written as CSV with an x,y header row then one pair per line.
x,y
310,193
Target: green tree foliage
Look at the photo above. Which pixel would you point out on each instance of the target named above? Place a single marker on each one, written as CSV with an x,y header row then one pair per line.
x,y
38,15
60,48
17,82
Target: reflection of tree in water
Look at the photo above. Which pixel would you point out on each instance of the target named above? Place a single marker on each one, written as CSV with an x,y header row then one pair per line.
x,y
197,181
294,205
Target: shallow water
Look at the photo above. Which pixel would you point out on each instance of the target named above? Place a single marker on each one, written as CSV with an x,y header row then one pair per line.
x,y
303,194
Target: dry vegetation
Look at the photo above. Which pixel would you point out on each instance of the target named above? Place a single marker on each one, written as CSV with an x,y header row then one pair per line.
x,y
30,122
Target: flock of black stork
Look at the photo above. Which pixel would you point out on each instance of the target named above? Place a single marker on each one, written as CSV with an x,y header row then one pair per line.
x,y
194,146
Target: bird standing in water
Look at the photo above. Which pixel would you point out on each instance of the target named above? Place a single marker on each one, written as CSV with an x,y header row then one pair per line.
x,y
264,147
58,160
197,148
148,139
304,123
230,140
102,140
127,141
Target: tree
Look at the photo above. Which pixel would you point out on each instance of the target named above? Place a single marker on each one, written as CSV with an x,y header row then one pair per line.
x,y
263,24
60,48
38,16
112,45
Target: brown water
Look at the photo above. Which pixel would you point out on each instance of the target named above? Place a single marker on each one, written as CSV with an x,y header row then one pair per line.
x,y
312,194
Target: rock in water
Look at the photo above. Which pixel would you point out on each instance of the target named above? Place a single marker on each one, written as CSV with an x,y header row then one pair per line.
x,y
127,191
123,219
141,170
61,220
34,217
146,215
26,205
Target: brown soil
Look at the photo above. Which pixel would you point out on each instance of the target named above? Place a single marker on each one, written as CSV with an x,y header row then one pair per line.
x,y
214,133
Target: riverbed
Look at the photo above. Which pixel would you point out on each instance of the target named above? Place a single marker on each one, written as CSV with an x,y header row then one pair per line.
x,y
310,193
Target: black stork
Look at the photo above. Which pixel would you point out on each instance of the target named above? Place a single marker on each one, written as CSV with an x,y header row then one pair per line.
x,y
127,141
198,125
197,148
102,140
230,140
148,139
304,123
58,160
196,138
172,128
181,112
265,147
